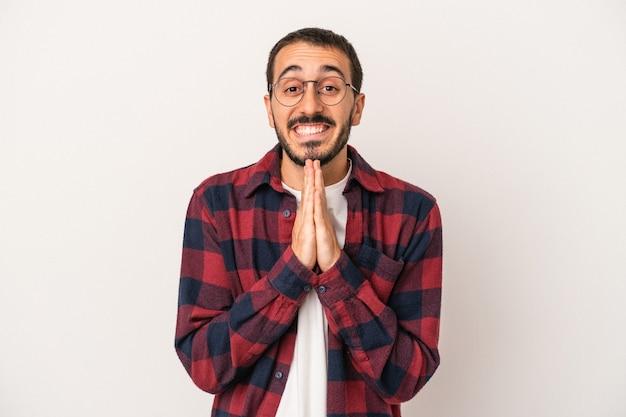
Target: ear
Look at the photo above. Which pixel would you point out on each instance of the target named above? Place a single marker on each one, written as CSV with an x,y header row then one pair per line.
x,y
359,103
268,108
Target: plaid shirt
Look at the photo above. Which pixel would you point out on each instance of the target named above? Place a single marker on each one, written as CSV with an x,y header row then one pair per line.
x,y
241,286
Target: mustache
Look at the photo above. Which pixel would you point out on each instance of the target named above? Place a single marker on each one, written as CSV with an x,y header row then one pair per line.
x,y
318,118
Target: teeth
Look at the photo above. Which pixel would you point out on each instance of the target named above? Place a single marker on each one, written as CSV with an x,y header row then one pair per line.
x,y
309,130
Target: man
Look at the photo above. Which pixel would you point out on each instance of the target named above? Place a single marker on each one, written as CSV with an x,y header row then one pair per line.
x,y
310,283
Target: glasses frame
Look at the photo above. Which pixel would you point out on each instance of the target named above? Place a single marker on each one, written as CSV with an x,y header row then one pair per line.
x,y
272,87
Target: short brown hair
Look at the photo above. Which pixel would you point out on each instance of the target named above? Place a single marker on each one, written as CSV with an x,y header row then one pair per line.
x,y
317,37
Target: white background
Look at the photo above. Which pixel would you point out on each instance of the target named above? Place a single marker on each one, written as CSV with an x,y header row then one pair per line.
x,y
512,113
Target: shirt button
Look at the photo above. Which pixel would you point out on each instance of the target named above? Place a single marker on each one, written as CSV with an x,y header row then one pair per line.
x,y
321,289
278,375
307,288
286,213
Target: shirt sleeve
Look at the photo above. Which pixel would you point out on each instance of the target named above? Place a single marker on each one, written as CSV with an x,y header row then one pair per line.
x,y
386,311
221,335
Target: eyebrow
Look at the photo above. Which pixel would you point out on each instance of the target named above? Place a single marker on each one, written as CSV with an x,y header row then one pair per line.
x,y
323,69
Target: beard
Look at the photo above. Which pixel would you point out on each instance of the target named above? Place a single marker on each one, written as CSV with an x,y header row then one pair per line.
x,y
312,149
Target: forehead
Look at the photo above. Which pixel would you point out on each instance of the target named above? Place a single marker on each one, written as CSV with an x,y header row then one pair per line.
x,y
310,61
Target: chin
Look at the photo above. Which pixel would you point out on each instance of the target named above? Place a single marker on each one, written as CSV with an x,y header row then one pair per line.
x,y
314,149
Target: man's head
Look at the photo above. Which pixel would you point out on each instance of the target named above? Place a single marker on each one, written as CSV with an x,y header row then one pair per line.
x,y
313,117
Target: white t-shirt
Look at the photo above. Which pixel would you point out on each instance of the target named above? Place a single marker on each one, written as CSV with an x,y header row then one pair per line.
x,y
305,392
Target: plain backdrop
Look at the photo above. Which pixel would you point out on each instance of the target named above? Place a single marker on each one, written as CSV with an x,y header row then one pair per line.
x,y
512,113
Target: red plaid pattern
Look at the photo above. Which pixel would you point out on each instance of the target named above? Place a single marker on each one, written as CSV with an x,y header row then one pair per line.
x,y
241,286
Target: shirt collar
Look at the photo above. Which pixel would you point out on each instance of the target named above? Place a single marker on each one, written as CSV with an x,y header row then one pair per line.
x,y
267,172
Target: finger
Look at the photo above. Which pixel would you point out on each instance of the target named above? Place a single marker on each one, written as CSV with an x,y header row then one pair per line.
x,y
327,246
308,198
309,179
307,182
319,183
318,173
303,234
320,213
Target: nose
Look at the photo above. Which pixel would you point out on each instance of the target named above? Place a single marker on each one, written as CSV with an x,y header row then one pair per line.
x,y
310,103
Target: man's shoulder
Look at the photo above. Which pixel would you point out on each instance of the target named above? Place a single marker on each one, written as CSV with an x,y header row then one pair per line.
x,y
228,190
390,182
233,177
246,176
385,184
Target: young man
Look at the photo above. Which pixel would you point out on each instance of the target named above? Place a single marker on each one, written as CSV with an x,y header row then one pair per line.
x,y
310,283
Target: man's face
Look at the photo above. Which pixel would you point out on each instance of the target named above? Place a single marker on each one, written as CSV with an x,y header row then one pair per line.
x,y
310,129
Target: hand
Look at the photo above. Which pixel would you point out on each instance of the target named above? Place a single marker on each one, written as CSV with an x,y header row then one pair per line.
x,y
327,246
313,236
303,241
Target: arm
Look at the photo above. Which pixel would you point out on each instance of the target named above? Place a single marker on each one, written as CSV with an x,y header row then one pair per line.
x,y
219,336
392,343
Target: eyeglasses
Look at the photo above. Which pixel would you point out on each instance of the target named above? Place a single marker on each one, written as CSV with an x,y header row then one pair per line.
x,y
330,90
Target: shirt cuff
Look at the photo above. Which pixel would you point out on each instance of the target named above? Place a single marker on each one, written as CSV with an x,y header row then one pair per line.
x,y
290,277
340,282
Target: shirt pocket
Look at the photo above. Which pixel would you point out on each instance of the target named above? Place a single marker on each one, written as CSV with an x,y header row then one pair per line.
x,y
379,269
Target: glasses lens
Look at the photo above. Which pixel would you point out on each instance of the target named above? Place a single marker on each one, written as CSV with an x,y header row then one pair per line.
x,y
330,90
289,91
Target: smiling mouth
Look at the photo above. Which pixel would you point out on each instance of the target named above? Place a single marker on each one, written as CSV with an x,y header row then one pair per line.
x,y
310,130
309,126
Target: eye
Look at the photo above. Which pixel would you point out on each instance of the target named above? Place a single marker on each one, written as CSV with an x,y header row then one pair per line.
x,y
330,86
289,87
